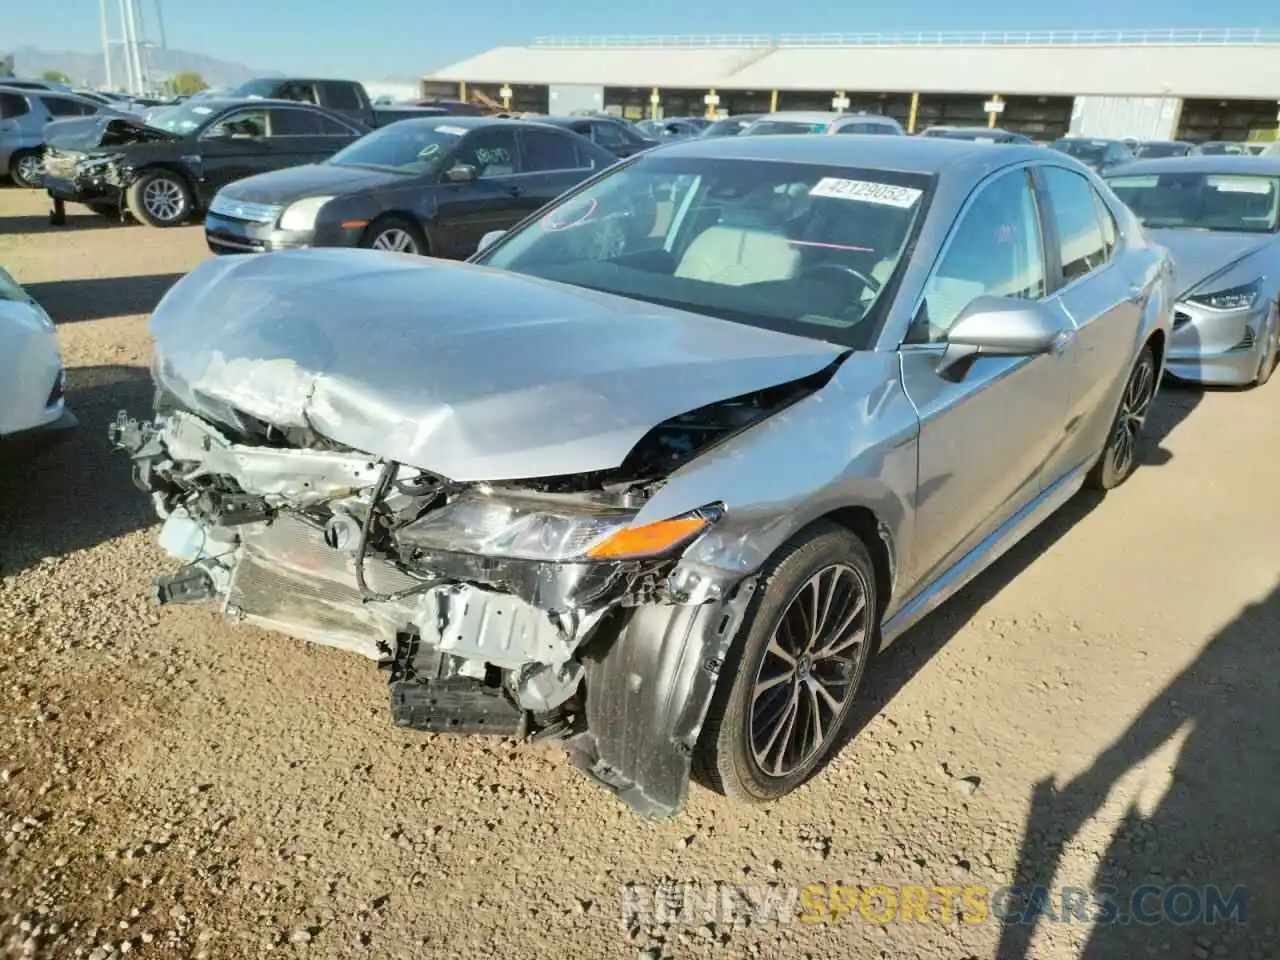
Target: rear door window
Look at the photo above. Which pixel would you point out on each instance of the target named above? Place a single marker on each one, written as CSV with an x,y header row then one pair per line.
x,y
295,123
298,90
1081,242
544,151
66,107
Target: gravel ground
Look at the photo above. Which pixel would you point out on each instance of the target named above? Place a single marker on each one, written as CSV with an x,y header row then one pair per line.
x,y
1099,708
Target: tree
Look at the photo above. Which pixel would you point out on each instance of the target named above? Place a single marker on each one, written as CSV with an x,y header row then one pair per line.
x,y
188,82
55,76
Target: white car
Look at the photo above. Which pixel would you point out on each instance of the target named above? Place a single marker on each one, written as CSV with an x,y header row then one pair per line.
x,y
33,407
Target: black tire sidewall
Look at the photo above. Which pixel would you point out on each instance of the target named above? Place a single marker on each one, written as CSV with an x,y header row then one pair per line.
x,y
394,222
1104,475
139,209
724,752
1270,349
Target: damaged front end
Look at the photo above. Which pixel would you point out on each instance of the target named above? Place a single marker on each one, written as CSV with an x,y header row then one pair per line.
x,y
83,159
525,608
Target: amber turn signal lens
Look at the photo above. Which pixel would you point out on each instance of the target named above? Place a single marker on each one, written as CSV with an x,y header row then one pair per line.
x,y
649,540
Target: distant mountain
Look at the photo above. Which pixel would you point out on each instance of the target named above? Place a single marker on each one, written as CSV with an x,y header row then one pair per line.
x,y
87,68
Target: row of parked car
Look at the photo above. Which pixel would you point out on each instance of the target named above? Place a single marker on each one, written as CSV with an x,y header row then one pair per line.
x,y
554,489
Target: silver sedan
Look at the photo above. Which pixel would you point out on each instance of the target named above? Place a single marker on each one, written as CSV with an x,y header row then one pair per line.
x,y
1220,217
658,472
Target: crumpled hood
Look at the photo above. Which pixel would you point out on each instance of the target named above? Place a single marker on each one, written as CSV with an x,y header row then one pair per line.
x,y
465,371
82,134
1199,255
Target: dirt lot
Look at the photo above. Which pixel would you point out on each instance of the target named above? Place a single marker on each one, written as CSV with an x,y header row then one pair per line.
x,y
171,786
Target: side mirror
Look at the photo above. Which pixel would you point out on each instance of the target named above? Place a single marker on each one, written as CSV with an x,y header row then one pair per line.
x,y
1001,327
460,173
490,238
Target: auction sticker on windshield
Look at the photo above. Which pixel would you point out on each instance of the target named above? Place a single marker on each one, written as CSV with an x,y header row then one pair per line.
x,y
1258,185
456,131
866,192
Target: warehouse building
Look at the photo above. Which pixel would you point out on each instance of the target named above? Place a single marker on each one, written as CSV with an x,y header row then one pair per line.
x,y
1151,84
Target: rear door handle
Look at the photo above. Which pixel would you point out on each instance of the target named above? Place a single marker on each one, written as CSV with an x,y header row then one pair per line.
x,y
514,191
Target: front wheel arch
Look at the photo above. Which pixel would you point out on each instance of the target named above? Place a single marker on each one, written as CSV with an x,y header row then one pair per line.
x,y
402,220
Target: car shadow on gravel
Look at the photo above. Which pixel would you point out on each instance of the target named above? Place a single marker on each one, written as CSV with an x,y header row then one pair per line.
x,y
71,301
79,494
1199,875
77,220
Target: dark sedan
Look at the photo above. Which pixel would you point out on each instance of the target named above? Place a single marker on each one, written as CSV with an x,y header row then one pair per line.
x,y
169,167
1096,154
432,186
619,138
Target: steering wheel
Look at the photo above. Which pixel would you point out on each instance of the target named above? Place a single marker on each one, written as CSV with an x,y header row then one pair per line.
x,y
867,282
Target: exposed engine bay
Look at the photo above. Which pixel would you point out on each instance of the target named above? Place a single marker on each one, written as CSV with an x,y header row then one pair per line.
x,y
508,608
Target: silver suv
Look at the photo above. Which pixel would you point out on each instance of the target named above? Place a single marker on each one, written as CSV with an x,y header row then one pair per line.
x,y
23,115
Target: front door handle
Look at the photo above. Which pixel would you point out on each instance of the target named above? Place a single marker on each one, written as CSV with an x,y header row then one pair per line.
x,y
514,191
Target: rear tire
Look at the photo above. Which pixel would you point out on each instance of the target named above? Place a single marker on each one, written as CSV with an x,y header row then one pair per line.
x,y
24,167
1119,457
769,726
160,198
395,234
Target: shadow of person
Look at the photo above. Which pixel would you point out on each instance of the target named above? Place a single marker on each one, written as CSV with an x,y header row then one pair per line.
x,y
1214,839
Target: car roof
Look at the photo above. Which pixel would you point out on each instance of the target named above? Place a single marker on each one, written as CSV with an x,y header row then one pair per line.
x,y
466,122
929,155
1198,163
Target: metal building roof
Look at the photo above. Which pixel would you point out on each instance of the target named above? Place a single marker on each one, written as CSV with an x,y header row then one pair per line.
x,y
1229,63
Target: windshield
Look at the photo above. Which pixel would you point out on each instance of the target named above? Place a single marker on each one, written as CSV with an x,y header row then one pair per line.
x,y
776,127
798,248
1086,151
405,147
254,88
1239,203
184,118
1156,150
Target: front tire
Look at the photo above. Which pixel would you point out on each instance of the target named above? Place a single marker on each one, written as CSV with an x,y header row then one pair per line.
x,y
795,668
1270,350
395,235
25,167
160,199
1119,456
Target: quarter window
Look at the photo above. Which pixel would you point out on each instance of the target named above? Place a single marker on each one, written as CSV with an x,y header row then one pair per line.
x,y
544,150
1110,234
995,250
1071,203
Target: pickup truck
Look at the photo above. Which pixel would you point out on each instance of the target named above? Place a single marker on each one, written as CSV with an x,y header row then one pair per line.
x,y
346,97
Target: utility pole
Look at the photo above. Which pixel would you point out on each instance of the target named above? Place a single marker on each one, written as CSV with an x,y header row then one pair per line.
x,y
106,42
143,48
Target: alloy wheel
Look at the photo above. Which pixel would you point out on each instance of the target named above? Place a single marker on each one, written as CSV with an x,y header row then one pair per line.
x,y
395,240
1134,406
29,167
164,200
809,671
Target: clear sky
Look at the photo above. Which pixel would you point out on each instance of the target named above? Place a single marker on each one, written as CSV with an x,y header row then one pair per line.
x,y
372,39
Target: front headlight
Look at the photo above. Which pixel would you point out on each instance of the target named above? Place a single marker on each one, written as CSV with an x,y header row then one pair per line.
x,y
531,529
1237,298
302,215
